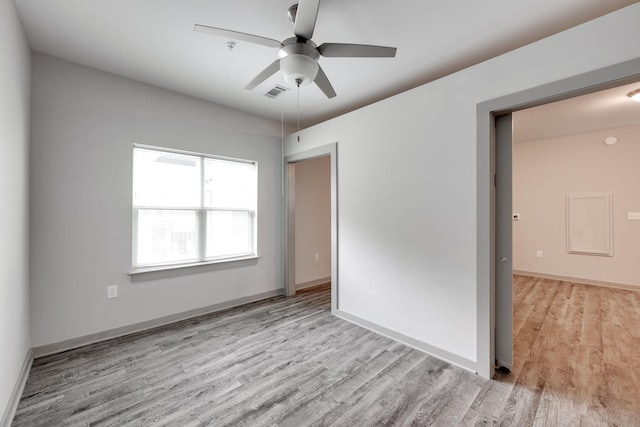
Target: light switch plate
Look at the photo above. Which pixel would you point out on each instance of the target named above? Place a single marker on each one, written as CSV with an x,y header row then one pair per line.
x,y
634,215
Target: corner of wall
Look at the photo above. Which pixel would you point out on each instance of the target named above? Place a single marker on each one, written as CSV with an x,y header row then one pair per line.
x,y
15,83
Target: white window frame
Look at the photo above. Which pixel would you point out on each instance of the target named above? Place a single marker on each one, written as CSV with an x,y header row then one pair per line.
x,y
201,218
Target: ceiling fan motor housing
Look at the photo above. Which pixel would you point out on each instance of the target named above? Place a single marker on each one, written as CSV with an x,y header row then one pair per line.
x,y
299,61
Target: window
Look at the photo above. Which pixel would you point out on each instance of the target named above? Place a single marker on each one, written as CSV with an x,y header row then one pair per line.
x,y
191,208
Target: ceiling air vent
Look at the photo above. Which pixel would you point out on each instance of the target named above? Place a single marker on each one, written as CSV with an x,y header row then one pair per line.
x,y
277,90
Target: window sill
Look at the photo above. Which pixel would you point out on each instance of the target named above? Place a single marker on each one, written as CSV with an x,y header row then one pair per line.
x,y
143,270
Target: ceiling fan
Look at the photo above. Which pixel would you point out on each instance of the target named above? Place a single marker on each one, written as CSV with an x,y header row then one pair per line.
x,y
298,56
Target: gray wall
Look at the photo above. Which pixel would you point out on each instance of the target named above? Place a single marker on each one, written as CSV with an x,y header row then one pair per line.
x,y
407,208
84,124
14,193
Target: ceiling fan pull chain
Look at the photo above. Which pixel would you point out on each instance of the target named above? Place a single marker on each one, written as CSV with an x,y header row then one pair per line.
x,y
298,109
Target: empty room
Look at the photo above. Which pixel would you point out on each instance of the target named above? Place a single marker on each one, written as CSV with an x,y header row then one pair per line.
x,y
575,292
280,213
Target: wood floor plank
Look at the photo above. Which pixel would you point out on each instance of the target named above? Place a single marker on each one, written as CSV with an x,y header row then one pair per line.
x,y
580,352
526,293
336,393
289,362
351,410
591,331
528,341
491,399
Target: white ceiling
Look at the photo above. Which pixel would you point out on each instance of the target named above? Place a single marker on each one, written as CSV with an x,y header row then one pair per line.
x,y
153,41
606,109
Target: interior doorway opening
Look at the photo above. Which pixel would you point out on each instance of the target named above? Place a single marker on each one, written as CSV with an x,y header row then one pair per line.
x,y
563,329
487,287
574,184
547,157
310,214
311,221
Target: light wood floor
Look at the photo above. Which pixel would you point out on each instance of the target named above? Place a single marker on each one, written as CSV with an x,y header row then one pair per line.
x,y
576,354
288,362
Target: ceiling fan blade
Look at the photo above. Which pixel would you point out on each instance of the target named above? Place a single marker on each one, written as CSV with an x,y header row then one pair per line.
x,y
306,18
236,35
323,83
356,50
264,75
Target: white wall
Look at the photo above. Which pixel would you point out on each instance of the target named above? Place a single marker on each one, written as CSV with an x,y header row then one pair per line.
x,y
14,193
84,123
407,185
313,220
545,171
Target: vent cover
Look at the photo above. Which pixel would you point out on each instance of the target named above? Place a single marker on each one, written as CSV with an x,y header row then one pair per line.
x,y
276,91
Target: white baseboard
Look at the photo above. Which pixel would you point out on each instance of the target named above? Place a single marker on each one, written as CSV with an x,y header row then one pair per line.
x,y
454,359
312,283
58,347
578,280
18,388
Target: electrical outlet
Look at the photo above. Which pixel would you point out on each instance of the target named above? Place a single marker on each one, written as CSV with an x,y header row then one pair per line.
x,y
317,257
633,215
539,253
112,291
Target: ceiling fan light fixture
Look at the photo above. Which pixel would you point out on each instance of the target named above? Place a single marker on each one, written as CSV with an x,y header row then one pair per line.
x,y
298,55
635,95
299,69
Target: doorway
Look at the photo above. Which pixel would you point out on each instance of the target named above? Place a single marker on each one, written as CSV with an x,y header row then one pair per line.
x,y
311,214
311,239
575,152
558,155
570,172
487,260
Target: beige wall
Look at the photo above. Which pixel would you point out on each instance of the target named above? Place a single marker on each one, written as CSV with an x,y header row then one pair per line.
x,y
313,220
545,171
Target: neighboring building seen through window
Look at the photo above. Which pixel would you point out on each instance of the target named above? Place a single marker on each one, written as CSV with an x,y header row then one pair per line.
x,y
191,208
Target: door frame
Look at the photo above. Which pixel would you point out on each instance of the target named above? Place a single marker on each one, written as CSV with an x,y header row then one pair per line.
x,y
593,81
289,241
503,253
